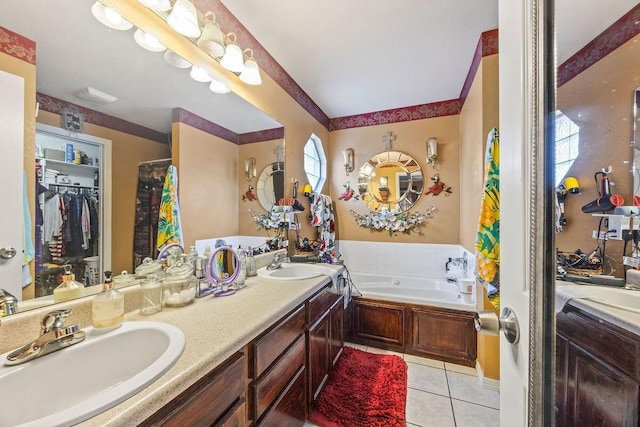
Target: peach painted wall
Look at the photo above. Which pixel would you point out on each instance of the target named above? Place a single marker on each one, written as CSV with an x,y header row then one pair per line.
x,y
265,153
478,116
600,101
207,185
27,71
127,151
411,138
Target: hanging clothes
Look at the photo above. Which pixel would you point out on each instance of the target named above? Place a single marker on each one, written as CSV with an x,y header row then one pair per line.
x,y
151,176
169,226
29,249
323,218
488,236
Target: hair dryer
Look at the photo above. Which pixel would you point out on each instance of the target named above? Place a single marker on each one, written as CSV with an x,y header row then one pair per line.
x,y
605,201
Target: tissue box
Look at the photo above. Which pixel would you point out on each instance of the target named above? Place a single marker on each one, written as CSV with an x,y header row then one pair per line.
x,y
51,154
69,154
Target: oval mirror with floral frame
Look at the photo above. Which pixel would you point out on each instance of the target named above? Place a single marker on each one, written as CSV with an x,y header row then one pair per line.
x,y
390,180
270,187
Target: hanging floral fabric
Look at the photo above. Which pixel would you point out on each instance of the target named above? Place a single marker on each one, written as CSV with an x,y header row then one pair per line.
x,y
323,218
169,226
488,237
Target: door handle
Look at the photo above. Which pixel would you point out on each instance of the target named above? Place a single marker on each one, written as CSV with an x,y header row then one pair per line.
x,y
488,323
8,252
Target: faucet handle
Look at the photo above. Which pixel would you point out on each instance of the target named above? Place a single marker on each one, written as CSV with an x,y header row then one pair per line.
x,y
54,320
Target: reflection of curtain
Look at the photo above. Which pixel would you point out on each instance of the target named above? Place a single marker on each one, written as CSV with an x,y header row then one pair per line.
x,y
323,218
150,181
169,227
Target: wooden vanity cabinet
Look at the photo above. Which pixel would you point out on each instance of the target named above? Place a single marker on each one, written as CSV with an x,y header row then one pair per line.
x,y
217,399
597,371
325,339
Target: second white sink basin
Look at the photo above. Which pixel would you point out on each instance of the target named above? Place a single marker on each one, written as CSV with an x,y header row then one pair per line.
x,y
291,271
76,383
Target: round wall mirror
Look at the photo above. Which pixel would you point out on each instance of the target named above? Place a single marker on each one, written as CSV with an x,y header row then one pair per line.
x,y
390,180
270,187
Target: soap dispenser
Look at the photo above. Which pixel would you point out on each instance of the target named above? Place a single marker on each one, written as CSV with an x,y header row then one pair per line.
x,y
107,308
69,288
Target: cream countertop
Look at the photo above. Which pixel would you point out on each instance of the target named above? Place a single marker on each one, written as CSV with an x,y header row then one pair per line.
x,y
578,296
214,329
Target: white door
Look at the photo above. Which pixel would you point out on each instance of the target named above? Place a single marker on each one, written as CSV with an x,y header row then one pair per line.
x,y
11,167
521,112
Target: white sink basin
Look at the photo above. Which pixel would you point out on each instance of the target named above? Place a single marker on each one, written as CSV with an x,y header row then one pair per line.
x,y
78,382
614,297
291,271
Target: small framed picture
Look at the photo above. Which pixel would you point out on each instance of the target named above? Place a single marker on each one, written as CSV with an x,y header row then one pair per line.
x,y
72,120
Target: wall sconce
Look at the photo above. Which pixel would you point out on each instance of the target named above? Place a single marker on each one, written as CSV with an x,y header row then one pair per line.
x,y
250,168
348,160
432,152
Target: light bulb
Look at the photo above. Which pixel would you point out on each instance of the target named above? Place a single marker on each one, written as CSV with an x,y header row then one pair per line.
x,y
148,41
199,74
218,87
110,17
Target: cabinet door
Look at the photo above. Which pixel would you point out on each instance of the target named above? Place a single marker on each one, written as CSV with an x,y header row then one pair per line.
x,y
336,331
562,361
443,333
598,395
318,356
379,323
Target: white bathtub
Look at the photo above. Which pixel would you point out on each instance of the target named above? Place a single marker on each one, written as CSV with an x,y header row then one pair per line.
x,y
411,290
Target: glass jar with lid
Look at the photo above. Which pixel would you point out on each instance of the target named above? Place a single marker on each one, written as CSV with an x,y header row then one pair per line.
x,y
151,295
123,279
149,266
179,287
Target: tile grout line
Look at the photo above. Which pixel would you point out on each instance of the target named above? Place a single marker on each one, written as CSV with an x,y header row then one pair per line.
x,y
453,412
477,404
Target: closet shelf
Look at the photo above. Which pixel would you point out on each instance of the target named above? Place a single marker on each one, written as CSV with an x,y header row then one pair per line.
x,y
67,164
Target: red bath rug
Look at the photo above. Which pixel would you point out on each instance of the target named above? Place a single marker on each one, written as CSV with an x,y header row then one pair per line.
x,y
365,389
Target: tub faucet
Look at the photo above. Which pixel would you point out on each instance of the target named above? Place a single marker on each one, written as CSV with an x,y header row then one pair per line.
x,y
278,259
460,262
54,336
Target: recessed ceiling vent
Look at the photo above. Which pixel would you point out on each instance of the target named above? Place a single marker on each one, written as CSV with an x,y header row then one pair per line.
x,y
94,95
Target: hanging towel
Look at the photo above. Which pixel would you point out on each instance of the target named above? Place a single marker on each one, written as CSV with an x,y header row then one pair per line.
x,y
323,218
29,249
169,226
488,237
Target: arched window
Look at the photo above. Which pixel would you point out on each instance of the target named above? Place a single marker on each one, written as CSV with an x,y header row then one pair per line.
x,y
315,163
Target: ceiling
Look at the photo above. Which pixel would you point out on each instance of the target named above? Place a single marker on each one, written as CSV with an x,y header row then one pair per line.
x,y
350,57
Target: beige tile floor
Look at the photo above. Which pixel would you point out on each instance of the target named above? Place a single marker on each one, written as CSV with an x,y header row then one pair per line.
x,y
443,394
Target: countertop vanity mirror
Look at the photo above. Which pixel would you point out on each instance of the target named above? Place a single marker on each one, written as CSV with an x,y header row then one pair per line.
x,y
87,54
390,180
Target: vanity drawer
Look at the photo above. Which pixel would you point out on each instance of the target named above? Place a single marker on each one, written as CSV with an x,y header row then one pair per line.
x,y
598,336
209,400
267,389
320,304
289,411
269,347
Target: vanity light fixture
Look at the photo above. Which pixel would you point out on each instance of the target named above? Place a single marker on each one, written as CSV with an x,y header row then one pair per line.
x,y
184,19
217,86
211,41
432,152
251,73
110,17
199,74
148,41
232,59
157,5
348,160
250,168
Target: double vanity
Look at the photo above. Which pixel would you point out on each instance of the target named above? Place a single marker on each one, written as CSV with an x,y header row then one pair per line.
x,y
260,356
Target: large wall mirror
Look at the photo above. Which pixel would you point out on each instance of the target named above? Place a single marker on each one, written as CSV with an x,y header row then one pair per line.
x,y
390,180
74,52
635,147
600,101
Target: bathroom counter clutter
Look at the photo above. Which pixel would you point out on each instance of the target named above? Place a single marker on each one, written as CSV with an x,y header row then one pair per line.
x,y
215,328
617,306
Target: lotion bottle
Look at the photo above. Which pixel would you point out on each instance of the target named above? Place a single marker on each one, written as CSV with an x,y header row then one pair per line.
x,y
107,308
69,288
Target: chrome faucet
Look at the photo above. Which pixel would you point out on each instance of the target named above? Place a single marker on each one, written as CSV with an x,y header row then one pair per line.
x,y
54,336
461,262
278,259
8,303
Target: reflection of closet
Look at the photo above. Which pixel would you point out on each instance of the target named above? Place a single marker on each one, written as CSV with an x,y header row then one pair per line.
x,y
68,213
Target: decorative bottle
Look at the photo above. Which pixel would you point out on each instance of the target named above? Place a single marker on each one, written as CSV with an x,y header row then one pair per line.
x,y
107,308
251,263
69,288
242,273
